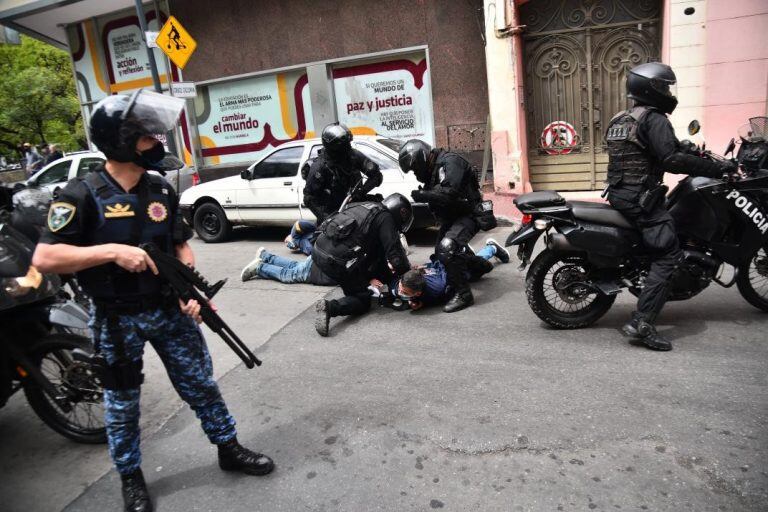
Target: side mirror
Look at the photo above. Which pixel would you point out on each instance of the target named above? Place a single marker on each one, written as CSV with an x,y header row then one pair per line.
x,y
694,127
245,174
731,147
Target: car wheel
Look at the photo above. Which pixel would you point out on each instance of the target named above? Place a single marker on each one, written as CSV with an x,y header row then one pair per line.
x,y
211,224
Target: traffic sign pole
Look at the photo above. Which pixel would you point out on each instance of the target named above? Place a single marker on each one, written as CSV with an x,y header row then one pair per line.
x,y
169,137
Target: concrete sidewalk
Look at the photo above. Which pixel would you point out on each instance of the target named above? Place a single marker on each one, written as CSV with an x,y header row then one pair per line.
x,y
486,409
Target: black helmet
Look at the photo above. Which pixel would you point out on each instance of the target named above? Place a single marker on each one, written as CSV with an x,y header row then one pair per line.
x,y
337,140
119,121
400,208
414,156
653,84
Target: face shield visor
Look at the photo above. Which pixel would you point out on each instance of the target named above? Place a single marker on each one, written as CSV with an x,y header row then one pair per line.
x,y
664,87
153,112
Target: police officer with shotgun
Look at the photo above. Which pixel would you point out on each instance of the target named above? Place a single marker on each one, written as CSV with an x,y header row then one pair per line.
x,y
641,147
94,230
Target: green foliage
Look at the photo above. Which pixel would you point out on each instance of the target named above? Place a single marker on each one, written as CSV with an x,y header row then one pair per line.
x,y
38,101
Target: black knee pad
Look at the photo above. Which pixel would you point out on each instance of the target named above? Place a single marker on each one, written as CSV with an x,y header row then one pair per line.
x,y
447,250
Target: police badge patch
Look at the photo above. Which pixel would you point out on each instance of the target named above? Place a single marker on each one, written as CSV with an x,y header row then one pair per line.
x,y
59,215
157,211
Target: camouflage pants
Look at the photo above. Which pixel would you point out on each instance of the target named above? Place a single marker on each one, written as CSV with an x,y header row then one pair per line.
x,y
181,347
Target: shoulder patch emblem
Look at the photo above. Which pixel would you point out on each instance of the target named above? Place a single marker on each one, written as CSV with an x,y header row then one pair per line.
x,y
157,211
59,215
118,210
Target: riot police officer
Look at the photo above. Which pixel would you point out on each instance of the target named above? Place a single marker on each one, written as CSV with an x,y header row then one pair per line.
x,y
642,146
358,244
451,188
336,171
94,229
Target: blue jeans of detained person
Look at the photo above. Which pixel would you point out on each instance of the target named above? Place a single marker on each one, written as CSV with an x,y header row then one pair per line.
x,y
284,270
180,344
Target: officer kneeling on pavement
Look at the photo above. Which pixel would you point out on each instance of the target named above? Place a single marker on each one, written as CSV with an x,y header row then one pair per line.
x,y
357,244
95,227
451,189
641,147
336,171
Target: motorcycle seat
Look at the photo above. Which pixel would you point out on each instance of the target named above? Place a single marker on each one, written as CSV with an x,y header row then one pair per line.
x,y
540,199
599,213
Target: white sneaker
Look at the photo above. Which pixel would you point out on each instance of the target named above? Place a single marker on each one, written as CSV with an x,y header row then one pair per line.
x,y
251,270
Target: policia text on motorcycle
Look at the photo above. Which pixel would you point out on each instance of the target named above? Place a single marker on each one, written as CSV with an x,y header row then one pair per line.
x,y
641,147
94,229
335,173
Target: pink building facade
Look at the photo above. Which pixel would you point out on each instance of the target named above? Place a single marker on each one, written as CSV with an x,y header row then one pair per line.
x,y
718,49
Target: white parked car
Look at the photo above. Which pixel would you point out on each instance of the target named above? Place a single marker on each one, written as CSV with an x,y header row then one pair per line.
x,y
269,192
57,173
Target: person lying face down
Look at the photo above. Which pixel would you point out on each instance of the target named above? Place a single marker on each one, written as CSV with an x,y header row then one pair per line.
x,y
428,285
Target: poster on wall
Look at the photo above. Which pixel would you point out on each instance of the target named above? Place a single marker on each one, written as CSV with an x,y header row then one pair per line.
x,y
390,96
126,53
241,120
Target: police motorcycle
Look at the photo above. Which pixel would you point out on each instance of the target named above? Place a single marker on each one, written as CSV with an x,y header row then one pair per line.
x,y
592,252
44,350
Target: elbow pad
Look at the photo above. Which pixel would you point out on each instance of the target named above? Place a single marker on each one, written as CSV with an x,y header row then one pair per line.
x,y
682,163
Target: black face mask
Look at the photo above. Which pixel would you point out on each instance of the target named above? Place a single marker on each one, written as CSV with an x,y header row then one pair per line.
x,y
424,176
150,158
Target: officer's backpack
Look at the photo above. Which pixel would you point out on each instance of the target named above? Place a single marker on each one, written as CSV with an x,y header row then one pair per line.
x,y
342,248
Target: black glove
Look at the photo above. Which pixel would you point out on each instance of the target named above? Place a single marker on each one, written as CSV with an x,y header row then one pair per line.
x,y
419,196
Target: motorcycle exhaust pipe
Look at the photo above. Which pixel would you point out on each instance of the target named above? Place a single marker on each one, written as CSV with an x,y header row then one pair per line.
x,y
701,258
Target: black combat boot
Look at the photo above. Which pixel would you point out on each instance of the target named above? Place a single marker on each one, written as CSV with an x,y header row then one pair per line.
x,y
323,318
235,457
645,332
461,300
135,493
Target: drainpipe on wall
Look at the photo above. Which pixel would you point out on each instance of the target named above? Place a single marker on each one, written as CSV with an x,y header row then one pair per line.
x,y
503,67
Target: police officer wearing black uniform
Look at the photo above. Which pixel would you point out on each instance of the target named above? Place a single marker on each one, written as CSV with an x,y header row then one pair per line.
x,y
336,171
451,188
94,229
642,146
358,244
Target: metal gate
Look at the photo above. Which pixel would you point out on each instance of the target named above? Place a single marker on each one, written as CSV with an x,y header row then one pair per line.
x,y
577,54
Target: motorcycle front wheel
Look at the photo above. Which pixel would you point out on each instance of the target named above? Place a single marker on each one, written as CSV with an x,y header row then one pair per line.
x,y
752,280
78,388
556,293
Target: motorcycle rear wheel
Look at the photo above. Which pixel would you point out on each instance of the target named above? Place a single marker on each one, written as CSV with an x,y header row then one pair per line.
x,y
753,279
556,303
85,422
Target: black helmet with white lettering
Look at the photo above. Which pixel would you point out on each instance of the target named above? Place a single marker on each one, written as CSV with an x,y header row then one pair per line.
x,y
119,121
337,140
400,208
414,156
653,84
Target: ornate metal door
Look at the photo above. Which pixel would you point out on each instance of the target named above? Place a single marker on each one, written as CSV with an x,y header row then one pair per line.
x,y
577,54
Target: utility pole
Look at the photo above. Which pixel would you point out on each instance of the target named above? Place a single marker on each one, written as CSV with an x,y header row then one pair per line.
x,y
170,136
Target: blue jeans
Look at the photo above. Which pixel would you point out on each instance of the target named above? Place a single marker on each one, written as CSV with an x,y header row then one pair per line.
x,y
284,270
301,234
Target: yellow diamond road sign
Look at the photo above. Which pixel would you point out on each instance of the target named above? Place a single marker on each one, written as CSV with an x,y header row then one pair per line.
x,y
176,42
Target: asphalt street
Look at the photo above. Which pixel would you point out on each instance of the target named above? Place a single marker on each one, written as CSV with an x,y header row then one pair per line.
x,y
486,409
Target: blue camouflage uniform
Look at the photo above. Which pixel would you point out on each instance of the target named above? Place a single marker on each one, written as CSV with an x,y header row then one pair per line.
x,y
131,309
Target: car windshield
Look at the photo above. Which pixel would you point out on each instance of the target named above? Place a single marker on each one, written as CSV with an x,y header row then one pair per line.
x,y
393,144
756,130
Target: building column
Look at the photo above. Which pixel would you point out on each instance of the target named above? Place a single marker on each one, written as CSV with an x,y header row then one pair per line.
x,y
505,95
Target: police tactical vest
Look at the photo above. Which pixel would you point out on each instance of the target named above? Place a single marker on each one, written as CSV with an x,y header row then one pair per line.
x,y
342,247
628,159
130,219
